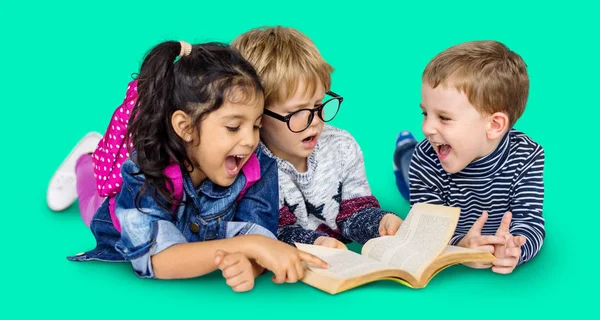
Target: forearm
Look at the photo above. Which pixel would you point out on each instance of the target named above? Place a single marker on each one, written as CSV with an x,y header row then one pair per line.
x,y
194,259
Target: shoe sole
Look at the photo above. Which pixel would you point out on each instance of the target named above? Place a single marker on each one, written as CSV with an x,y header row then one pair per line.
x,y
88,143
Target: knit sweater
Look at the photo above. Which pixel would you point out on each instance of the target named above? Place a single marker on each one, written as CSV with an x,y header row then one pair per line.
x,y
332,198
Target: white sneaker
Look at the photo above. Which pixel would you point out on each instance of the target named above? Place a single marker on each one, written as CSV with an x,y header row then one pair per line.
x,y
62,191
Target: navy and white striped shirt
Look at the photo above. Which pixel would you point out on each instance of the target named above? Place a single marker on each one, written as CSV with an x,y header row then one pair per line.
x,y
508,179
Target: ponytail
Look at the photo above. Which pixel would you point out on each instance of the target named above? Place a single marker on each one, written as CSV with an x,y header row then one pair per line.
x,y
177,76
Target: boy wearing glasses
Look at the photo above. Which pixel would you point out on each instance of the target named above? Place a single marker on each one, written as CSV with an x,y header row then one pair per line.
x,y
324,196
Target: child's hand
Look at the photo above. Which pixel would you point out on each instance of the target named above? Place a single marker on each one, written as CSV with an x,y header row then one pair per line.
x,y
507,256
237,270
282,259
475,240
389,225
329,242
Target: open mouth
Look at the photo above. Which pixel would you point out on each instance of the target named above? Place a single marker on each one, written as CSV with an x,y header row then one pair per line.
x,y
233,163
442,149
308,139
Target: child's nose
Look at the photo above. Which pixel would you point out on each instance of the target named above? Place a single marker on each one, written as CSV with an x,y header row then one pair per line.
x,y
316,120
428,128
249,140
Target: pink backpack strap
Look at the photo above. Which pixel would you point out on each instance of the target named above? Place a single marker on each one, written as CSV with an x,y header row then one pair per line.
x,y
252,172
173,172
113,216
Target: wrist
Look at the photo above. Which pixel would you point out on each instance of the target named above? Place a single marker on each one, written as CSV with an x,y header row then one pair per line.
x,y
251,244
458,241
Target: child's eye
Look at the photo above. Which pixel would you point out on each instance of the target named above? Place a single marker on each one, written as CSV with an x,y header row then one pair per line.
x,y
444,118
424,113
257,127
233,129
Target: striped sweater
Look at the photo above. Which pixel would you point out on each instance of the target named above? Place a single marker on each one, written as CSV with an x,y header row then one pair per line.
x,y
332,198
508,179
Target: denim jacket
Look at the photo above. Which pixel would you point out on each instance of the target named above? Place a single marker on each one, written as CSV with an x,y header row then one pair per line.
x,y
208,212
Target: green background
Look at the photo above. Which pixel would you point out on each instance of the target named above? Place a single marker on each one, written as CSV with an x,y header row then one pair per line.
x,y
65,68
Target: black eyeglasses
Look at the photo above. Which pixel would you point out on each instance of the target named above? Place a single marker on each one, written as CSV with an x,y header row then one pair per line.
x,y
299,120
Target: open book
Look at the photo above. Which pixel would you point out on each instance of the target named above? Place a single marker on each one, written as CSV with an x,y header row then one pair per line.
x,y
417,252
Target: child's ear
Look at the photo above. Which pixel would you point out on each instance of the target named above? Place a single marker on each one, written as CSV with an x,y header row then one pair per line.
x,y
497,125
181,123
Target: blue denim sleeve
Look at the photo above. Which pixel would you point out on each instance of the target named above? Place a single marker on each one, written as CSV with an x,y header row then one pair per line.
x,y
239,228
260,203
144,232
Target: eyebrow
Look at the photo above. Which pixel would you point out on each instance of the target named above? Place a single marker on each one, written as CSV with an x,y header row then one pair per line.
x,y
234,117
300,105
437,110
304,104
240,117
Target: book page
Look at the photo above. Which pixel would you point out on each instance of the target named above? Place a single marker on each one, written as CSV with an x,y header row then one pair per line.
x,y
375,248
421,238
342,263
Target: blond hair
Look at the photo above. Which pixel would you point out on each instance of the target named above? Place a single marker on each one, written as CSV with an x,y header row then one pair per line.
x,y
283,57
493,77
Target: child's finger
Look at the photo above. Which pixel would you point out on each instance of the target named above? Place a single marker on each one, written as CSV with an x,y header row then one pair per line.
x,y
340,245
519,241
237,280
309,258
232,270
503,270
299,270
478,265
228,260
478,225
291,274
279,275
515,242
393,229
513,252
505,262
219,256
504,224
244,286
487,248
480,241
382,229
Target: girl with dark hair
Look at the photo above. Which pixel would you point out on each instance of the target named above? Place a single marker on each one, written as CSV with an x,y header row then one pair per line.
x,y
193,129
